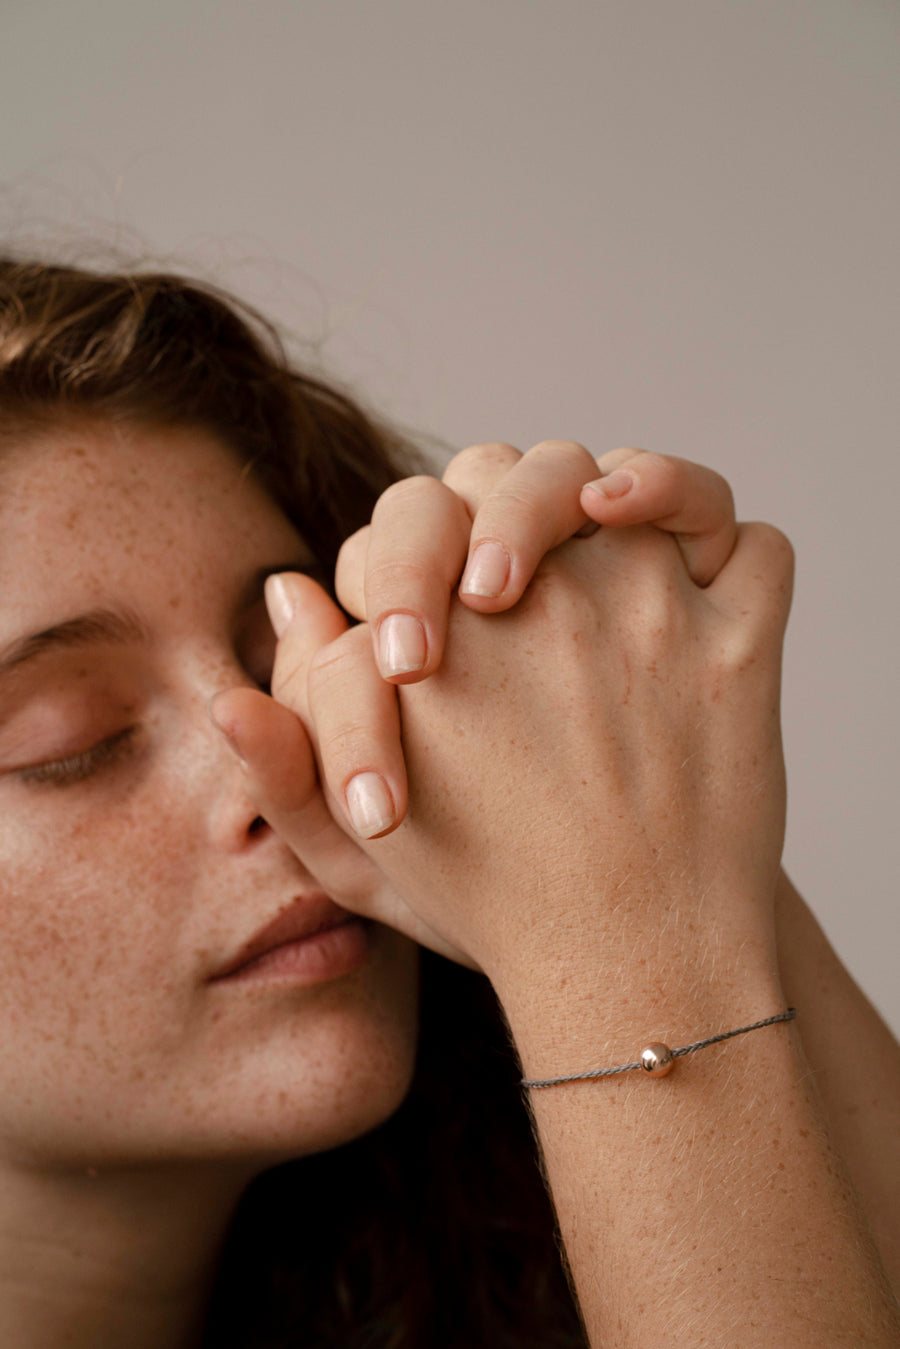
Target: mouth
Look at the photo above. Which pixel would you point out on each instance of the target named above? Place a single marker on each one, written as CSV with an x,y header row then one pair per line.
x,y
310,941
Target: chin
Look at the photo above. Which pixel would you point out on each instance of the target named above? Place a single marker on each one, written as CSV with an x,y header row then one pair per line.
x,y
294,1104
278,1075
325,1079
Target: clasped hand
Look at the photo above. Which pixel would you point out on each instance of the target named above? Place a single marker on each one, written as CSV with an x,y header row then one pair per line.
x,y
591,752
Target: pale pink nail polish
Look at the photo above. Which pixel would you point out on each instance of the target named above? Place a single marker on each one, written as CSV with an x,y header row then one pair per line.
x,y
279,604
369,804
614,485
401,644
487,571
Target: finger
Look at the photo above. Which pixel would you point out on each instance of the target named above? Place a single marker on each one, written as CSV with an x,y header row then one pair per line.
x,y
282,780
475,471
350,573
357,733
412,514
277,754
687,500
757,584
416,548
531,509
305,618
414,552
326,675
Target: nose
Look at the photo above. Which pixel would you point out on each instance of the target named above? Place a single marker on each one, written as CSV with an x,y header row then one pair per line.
x,y
281,775
234,822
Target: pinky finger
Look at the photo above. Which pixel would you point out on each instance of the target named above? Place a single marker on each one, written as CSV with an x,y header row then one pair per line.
x,y
684,499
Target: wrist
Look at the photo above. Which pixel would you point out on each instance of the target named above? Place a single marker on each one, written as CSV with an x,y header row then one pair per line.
x,y
589,999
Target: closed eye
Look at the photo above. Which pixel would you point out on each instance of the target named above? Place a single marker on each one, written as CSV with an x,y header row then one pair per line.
x,y
78,767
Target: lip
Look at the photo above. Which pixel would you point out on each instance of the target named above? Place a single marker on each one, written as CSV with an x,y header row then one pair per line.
x,y
304,923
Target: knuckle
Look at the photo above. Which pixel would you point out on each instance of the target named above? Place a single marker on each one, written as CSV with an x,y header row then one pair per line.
x,y
613,459
326,665
567,460
486,451
353,547
567,450
348,742
330,664
668,473
406,493
559,595
655,622
737,659
491,457
511,501
778,545
775,554
349,570
394,577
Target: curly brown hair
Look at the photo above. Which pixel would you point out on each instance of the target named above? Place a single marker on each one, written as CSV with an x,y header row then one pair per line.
x,y
434,1231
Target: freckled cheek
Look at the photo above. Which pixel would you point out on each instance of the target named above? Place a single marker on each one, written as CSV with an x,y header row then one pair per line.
x,y
86,918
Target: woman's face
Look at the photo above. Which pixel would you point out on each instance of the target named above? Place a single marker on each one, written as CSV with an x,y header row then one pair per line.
x,y
133,869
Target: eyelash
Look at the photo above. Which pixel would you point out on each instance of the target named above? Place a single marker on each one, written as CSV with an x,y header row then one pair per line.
x,y
78,767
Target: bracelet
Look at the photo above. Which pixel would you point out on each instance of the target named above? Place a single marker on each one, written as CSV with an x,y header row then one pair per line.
x,y
658,1060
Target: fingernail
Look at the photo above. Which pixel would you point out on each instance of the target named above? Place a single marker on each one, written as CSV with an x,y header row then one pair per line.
x,y
614,485
369,804
487,571
279,604
401,644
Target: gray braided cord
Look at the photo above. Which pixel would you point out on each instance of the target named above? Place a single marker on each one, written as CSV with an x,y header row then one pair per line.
x,y
676,1053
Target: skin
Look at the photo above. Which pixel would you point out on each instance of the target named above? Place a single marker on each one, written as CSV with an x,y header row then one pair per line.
x,y
529,504
107,1281
138,1098
492,883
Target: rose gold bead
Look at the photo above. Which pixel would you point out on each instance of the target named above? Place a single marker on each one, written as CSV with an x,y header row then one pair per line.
x,y
656,1060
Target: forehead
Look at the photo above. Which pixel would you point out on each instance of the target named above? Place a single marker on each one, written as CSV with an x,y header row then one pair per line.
x,y
91,504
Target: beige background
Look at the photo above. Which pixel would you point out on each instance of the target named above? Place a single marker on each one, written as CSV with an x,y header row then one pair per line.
x,y
669,223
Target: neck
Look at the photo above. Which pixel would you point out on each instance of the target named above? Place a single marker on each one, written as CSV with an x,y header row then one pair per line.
x,y
103,1259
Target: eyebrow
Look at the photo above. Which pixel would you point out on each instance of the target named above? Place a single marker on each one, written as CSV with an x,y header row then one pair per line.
x,y
121,625
97,625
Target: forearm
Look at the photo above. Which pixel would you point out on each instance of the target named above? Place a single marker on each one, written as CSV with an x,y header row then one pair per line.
x,y
855,1063
709,1207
